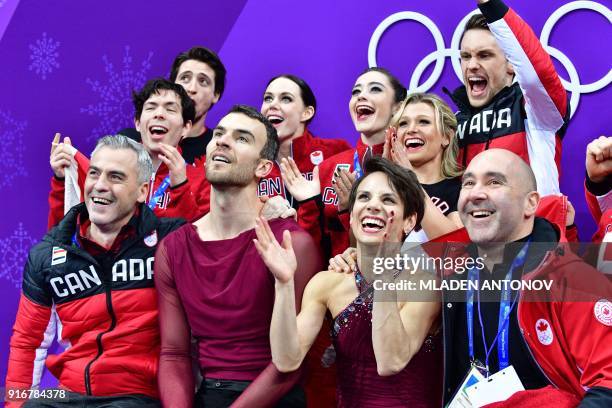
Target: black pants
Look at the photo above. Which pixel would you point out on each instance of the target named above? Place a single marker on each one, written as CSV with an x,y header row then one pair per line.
x,y
222,393
75,400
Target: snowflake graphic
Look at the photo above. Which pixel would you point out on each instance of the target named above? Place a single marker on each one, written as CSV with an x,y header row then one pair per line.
x,y
114,108
13,255
12,134
44,56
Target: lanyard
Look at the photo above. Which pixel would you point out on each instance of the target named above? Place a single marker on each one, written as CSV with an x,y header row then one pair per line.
x,y
159,192
505,307
357,165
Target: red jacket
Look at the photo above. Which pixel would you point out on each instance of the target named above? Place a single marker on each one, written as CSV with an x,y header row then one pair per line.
x,y
530,116
103,307
319,215
600,206
567,330
307,151
599,200
189,200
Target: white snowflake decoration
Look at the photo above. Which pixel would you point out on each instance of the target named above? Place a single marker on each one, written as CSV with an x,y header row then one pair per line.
x,y
13,255
114,108
43,56
12,134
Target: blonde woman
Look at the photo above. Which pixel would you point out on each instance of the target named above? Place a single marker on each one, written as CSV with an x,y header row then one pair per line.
x,y
422,139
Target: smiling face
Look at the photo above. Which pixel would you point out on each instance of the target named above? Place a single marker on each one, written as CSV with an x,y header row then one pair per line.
x,y
198,79
486,71
161,121
496,203
233,155
112,190
418,131
372,103
283,106
376,204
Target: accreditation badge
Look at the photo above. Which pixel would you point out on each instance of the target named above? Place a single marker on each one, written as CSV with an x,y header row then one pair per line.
x,y
461,399
498,387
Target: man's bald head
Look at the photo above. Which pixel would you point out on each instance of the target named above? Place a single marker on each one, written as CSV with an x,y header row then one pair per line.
x,y
498,197
511,164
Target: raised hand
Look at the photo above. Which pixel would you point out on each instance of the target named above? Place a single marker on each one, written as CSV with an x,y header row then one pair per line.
x,y
300,188
343,185
390,134
276,207
398,153
60,156
599,158
280,259
175,162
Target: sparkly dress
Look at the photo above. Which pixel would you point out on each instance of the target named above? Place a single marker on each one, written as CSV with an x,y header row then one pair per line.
x,y
419,384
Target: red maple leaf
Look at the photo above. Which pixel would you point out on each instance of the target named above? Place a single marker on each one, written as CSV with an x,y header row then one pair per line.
x,y
542,326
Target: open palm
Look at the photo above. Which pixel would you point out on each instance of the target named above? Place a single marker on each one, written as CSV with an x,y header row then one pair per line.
x,y
279,258
300,188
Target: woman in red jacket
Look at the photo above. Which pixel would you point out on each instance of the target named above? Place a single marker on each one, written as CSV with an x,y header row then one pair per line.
x,y
290,105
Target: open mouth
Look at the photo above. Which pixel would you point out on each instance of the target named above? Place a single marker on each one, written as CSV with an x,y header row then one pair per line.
x,y
275,119
158,130
477,85
413,143
373,224
364,112
100,201
480,214
220,158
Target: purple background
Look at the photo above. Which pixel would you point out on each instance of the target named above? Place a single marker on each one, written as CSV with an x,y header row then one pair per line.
x,y
70,66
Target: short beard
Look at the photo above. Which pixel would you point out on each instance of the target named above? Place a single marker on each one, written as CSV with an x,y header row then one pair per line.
x,y
240,176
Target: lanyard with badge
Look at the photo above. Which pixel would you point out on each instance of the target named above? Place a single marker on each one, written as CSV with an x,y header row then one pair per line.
x,y
478,389
505,308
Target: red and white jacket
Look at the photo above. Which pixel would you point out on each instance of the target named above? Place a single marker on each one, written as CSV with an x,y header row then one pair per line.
x,y
599,200
103,306
529,117
568,330
189,200
319,215
307,151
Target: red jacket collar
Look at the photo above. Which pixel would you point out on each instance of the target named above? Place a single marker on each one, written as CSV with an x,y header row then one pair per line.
x,y
300,146
376,149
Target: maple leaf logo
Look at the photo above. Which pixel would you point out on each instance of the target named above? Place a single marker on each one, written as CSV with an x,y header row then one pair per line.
x,y
542,326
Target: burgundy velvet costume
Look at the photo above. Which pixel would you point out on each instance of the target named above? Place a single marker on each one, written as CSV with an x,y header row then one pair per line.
x,y
418,385
222,293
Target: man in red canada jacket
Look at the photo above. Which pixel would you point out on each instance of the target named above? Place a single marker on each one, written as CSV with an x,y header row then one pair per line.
x,y
91,280
528,116
557,340
164,113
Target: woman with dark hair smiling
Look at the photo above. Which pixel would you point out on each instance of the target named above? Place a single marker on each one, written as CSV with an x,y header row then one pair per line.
x,y
385,354
290,105
375,97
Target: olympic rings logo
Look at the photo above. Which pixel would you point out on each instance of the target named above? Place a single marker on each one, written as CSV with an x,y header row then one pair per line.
x,y
573,86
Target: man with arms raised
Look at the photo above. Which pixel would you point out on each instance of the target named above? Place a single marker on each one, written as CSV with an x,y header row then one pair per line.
x,y
164,114
213,285
527,117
